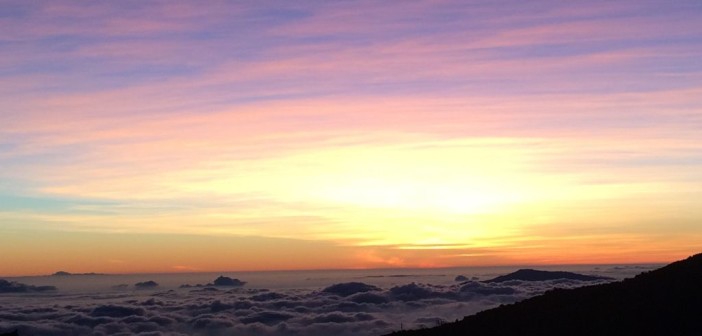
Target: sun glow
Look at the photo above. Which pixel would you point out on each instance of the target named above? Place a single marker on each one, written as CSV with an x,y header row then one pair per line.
x,y
450,178
503,132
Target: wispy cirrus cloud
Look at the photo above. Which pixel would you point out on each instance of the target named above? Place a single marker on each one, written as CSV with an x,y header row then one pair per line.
x,y
351,122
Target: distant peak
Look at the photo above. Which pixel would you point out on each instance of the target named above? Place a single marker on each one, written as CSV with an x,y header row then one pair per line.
x,y
64,273
528,274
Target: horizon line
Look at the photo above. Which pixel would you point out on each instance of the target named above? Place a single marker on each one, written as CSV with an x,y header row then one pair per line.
x,y
328,269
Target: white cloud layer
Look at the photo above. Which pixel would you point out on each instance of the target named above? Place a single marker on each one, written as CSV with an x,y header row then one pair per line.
x,y
342,308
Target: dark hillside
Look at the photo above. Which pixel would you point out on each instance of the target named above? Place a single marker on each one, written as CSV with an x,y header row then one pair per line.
x,y
667,301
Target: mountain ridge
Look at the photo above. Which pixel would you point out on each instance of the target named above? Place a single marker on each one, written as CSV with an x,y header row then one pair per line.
x,y
665,301
527,274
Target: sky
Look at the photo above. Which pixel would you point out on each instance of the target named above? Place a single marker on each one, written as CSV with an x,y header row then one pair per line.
x,y
177,136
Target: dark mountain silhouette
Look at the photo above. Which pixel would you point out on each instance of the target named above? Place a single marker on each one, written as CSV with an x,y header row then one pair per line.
x,y
146,285
64,273
221,281
667,301
349,288
228,282
536,275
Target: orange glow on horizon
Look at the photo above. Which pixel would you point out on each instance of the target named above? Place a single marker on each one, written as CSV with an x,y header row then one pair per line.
x,y
239,136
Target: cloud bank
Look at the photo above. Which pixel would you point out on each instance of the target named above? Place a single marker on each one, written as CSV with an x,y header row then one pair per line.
x,y
16,287
346,308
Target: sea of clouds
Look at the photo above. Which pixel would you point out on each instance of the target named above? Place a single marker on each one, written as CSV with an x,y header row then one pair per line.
x,y
343,308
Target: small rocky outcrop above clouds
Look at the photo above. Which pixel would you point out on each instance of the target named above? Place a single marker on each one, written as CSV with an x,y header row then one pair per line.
x,y
349,288
61,273
146,285
221,281
16,287
228,282
536,275
64,273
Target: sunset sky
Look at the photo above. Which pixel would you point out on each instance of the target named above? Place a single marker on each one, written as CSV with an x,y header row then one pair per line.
x,y
179,136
